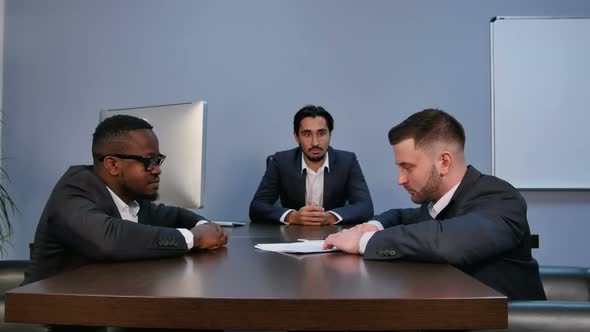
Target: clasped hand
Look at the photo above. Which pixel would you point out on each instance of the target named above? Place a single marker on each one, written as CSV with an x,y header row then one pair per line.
x,y
311,214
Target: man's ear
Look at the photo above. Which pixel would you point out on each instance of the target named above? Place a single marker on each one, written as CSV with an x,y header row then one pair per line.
x,y
111,165
296,138
445,162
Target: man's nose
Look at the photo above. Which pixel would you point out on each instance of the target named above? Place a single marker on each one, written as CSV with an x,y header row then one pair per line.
x,y
315,140
401,179
156,170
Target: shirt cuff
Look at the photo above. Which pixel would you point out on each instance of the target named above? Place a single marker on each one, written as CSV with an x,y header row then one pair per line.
x,y
376,223
337,217
284,216
364,240
188,237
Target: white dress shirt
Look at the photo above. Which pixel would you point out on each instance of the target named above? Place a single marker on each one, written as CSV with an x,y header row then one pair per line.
x,y
433,209
129,212
314,186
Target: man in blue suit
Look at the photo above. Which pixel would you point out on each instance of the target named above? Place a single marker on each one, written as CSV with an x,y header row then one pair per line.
x,y
473,221
317,185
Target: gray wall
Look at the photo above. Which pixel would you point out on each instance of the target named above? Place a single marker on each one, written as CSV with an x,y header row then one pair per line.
x,y
1,67
370,63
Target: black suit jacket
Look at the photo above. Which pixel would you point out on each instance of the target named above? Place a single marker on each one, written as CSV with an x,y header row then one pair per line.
x,y
483,231
81,224
343,183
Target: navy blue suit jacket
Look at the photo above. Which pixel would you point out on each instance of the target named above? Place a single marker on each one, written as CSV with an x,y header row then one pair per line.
x,y
343,183
483,231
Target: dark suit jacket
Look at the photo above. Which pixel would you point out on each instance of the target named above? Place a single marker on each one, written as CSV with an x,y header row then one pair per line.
x,y
483,231
81,224
343,183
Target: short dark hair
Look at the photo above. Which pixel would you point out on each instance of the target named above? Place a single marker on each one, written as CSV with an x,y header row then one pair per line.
x,y
313,111
429,126
112,128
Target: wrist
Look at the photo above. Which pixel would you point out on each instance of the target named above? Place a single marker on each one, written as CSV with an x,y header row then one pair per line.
x,y
331,218
291,217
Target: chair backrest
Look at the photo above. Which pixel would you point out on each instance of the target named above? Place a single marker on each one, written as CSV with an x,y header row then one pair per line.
x,y
534,241
548,316
567,307
566,283
12,274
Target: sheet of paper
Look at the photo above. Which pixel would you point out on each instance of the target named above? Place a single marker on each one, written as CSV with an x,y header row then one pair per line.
x,y
223,223
301,247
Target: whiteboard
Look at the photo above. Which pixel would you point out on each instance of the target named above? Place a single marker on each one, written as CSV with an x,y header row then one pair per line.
x,y
540,69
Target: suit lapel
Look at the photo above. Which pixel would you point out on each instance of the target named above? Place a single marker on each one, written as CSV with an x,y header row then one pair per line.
x,y
452,209
299,181
329,179
106,198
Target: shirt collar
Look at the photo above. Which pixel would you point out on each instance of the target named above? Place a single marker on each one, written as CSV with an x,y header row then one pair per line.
x,y
435,208
326,164
133,207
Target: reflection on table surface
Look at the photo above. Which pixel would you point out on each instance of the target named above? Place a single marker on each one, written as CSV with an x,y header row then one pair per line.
x,y
240,287
283,233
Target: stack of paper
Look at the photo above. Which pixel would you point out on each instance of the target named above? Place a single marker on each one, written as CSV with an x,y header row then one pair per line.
x,y
301,247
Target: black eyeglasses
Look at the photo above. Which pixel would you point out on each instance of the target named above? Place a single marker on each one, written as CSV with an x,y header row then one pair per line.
x,y
148,162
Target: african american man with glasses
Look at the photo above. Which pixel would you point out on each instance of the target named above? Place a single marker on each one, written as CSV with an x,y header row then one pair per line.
x,y
104,212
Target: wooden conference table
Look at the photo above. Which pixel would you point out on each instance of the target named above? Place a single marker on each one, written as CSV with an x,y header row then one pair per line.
x,y
240,287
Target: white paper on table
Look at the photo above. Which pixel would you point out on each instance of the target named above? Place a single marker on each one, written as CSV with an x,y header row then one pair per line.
x,y
301,247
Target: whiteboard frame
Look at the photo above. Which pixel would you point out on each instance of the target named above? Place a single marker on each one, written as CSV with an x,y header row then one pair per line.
x,y
522,185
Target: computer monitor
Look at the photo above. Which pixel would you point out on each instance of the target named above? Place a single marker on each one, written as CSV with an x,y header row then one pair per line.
x,y
181,130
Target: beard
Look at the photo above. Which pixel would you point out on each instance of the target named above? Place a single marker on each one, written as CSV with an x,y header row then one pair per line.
x,y
151,197
429,192
141,196
313,159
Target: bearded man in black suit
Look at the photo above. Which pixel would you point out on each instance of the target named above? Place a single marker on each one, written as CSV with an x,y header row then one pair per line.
x,y
473,221
316,184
